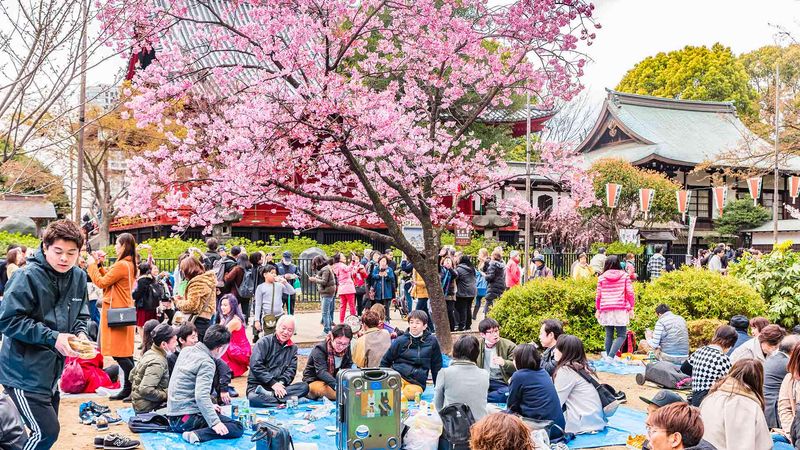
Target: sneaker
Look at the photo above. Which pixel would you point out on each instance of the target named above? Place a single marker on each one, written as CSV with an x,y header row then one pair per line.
x,y
119,442
99,441
97,408
640,379
86,416
101,423
232,392
111,419
190,437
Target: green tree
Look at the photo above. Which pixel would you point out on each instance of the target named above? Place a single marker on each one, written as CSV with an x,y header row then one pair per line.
x,y
693,73
740,215
612,170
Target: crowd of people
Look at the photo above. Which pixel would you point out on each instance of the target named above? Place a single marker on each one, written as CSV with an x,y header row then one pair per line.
x,y
193,325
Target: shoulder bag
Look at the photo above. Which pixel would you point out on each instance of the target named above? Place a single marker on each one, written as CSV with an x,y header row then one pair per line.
x,y
122,317
270,321
609,397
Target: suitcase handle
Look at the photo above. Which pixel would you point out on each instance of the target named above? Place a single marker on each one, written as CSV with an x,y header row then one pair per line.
x,y
374,374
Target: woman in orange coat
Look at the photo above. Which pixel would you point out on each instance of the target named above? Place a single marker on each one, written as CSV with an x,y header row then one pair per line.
x,y
117,285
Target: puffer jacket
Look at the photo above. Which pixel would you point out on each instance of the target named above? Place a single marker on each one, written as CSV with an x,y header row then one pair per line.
x,y
414,357
495,277
150,380
326,281
384,286
614,291
200,296
317,367
38,304
466,282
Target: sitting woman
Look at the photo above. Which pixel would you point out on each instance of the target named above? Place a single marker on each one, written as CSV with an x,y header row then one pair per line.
x,y
790,392
761,346
583,407
733,411
459,382
238,354
150,377
531,392
710,363
373,342
500,432
325,361
415,354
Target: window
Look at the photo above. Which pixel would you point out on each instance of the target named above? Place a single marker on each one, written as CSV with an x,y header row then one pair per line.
x,y
699,203
545,204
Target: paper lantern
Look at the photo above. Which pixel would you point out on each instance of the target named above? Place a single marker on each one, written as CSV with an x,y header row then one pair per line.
x,y
646,200
720,194
683,202
754,186
612,194
794,187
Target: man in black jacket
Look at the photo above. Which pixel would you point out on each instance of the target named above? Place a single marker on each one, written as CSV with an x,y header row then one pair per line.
x,y
44,306
325,361
548,335
273,366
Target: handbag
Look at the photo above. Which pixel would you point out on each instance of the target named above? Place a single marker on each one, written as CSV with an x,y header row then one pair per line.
x,y
609,397
269,321
272,437
122,317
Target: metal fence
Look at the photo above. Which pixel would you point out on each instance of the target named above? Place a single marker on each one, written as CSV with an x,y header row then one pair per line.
x,y
559,263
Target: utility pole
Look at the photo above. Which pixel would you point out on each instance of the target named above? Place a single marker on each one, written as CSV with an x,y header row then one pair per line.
x,y
81,115
775,176
527,257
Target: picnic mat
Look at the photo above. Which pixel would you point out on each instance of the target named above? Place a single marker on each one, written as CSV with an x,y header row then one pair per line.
x,y
625,422
616,367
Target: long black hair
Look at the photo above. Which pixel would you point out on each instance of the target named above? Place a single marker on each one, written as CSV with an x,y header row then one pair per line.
x,y
318,263
573,354
243,261
612,263
466,260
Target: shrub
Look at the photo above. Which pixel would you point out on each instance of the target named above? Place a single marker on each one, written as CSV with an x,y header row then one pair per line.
x,y
618,248
696,294
776,276
7,238
701,331
521,309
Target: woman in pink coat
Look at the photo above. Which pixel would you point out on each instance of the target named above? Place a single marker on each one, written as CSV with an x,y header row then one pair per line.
x,y
347,288
614,303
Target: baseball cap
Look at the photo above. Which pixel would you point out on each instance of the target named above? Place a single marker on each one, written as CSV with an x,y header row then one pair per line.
x,y
663,397
222,248
287,254
162,333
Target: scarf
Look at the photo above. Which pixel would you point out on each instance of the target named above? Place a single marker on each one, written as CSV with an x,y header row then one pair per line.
x,y
332,354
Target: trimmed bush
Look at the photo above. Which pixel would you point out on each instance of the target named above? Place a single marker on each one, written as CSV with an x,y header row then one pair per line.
x,y
701,331
691,293
696,294
16,238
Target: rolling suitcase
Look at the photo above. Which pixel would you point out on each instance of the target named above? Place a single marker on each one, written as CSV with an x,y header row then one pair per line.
x,y
368,409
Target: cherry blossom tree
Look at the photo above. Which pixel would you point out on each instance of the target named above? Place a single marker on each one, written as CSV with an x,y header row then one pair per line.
x,y
349,113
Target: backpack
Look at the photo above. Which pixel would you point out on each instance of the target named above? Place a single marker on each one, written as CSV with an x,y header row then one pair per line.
x,y
247,288
157,294
480,283
149,423
456,420
609,397
629,346
272,437
219,272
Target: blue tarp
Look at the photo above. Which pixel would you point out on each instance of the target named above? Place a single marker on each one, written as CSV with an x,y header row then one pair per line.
x,y
624,423
616,367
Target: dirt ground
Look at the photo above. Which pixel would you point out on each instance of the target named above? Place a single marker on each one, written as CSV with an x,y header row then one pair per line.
x,y
76,436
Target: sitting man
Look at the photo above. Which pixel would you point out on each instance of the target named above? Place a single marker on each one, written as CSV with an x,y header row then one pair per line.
x,y
676,426
548,335
670,338
189,407
150,377
739,323
273,366
414,355
774,373
497,357
325,361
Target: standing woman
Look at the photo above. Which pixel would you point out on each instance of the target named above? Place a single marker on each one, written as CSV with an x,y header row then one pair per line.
x,y
326,286
347,288
447,276
614,303
466,289
233,279
117,285
359,281
199,299
384,282
480,283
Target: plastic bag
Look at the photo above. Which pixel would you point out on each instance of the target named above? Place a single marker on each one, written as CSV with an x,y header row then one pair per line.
x,y
72,379
424,430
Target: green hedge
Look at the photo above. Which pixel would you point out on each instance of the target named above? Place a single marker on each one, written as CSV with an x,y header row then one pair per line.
x,y
691,293
7,238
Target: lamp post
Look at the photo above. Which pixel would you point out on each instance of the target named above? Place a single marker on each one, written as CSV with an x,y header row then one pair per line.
x,y
526,257
775,176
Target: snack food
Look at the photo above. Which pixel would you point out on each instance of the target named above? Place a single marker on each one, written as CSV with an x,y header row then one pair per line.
x,y
85,349
635,442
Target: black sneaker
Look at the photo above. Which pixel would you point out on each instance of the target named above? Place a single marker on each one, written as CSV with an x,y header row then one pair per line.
x,y
98,409
99,441
119,442
232,392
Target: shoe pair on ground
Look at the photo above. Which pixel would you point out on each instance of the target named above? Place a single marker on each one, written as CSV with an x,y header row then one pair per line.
x,y
115,442
100,415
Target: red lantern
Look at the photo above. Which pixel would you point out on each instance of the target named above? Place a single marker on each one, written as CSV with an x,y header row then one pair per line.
x,y
683,202
612,194
754,186
794,187
646,200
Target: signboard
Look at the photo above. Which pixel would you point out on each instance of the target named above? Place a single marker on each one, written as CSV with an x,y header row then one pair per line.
x,y
413,235
629,235
463,237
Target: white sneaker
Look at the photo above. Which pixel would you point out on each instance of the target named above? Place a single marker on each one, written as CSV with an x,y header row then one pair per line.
x,y
190,437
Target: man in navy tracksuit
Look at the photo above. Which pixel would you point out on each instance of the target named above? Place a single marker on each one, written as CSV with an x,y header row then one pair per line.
x,y
44,305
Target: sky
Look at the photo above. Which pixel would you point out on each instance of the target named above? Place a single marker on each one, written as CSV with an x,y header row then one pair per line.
x,y
634,29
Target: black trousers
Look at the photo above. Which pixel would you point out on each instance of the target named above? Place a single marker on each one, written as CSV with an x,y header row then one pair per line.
x,y
40,414
451,313
288,303
359,304
126,365
463,316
